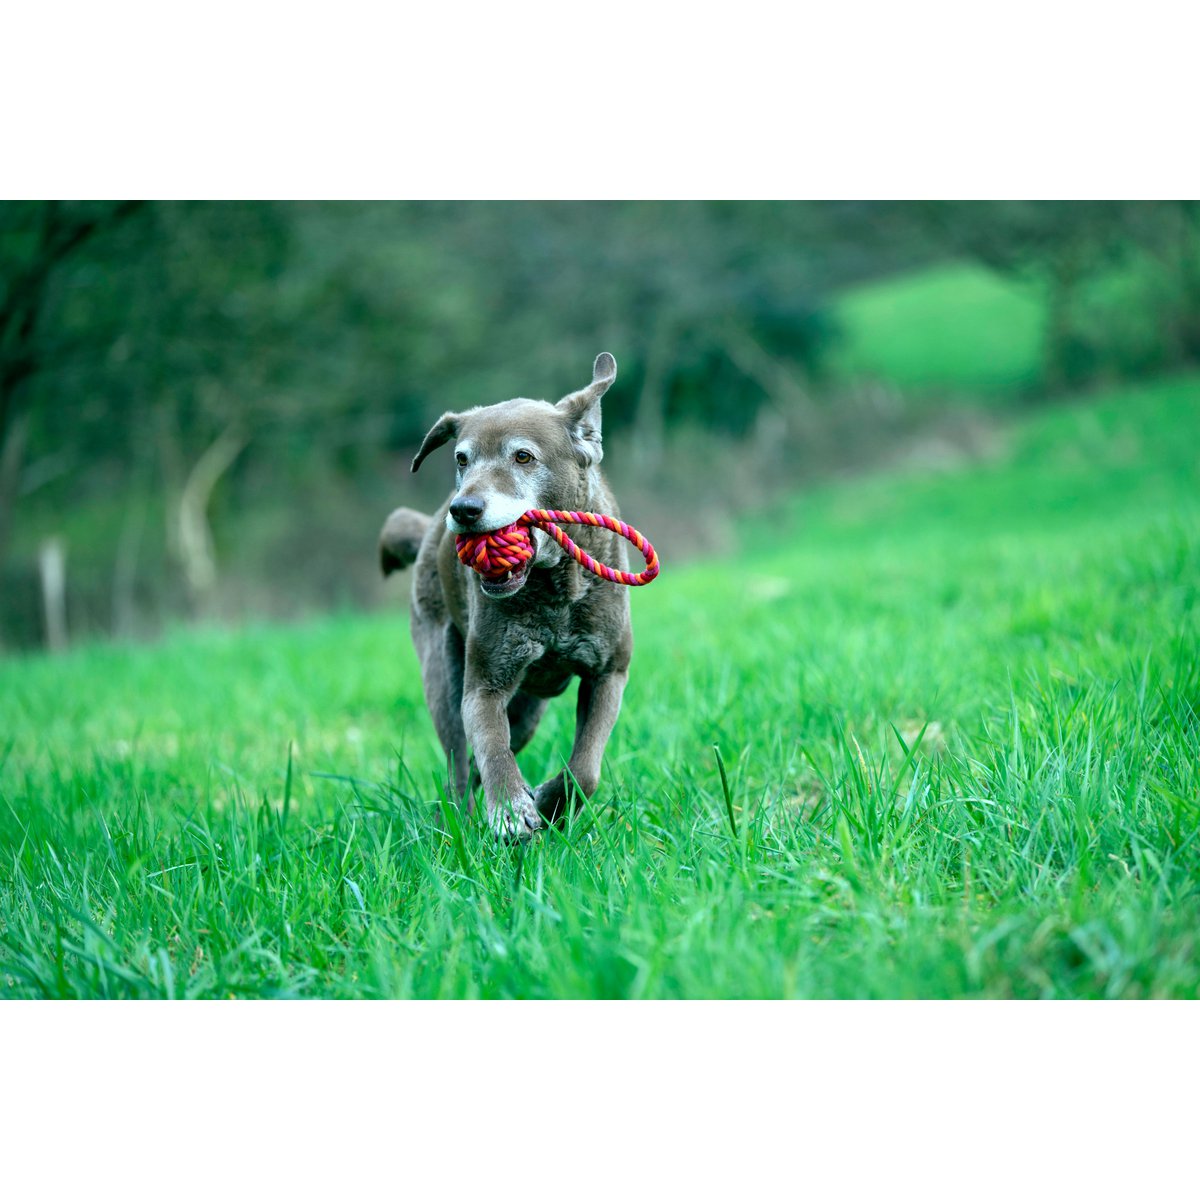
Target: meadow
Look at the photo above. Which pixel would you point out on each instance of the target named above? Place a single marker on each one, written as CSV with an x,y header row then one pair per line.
x,y
926,734
954,329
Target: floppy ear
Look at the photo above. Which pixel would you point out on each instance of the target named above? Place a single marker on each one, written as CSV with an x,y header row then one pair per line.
x,y
443,430
582,410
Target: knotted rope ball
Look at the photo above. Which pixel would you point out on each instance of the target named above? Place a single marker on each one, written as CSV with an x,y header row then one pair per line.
x,y
499,551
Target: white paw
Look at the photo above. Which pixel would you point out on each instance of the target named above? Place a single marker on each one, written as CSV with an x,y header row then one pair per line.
x,y
514,820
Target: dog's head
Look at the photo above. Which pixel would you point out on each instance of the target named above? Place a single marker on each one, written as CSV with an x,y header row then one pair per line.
x,y
519,455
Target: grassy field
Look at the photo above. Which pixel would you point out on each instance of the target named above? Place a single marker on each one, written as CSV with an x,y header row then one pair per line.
x,y
957,330
959,716
959,333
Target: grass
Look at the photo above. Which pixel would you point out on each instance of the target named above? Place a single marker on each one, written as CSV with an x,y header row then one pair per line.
x,y
962,333
956,329
927,735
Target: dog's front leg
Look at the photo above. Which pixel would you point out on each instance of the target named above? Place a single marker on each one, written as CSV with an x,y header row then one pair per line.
x,y
511,811
595,715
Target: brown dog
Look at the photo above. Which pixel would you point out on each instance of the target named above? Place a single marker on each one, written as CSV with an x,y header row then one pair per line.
x,y
493,653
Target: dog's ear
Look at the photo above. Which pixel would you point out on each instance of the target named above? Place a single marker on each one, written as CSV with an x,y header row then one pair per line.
x,y
582,410
443,430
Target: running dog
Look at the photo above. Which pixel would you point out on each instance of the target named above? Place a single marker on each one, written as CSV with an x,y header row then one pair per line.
x,y
493,652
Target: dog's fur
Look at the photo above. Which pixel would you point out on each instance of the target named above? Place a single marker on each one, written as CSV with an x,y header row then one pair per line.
x,y
492,654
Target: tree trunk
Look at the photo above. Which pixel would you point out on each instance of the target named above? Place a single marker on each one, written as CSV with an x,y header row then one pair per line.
x,y
52,567
197,556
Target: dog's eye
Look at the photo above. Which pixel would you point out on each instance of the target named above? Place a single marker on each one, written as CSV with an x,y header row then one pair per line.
x,y
461,459
523,456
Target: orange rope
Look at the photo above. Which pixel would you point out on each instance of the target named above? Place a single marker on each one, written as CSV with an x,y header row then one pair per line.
x,y
499,551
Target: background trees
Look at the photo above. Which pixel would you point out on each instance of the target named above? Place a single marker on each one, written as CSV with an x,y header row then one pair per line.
x,y
210,405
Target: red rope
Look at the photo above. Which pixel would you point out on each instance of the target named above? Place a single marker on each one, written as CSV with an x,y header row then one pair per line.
x,y
497,552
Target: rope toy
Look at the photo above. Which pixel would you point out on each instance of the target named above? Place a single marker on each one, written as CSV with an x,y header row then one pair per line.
x,y
496,553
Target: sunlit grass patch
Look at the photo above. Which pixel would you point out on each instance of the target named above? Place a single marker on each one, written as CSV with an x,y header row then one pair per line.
x,y
956,328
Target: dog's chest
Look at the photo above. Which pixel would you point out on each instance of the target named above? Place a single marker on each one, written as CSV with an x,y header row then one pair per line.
x,y
566,652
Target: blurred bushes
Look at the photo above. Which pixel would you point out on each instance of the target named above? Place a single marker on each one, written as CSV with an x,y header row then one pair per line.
x,y
213,404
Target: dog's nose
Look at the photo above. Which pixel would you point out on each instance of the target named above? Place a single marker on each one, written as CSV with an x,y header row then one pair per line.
x,y
466,510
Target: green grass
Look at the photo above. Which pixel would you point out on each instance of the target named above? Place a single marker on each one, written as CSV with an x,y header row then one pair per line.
x,y
958,717
954,329
963,333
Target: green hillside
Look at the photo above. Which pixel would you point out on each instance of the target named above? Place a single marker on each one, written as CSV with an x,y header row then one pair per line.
x,y
954,328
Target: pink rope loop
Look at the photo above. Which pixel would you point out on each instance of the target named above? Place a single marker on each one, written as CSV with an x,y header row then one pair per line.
x,y
497,552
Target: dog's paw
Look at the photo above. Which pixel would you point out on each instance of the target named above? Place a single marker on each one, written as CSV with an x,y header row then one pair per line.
x,y
551,799
514,820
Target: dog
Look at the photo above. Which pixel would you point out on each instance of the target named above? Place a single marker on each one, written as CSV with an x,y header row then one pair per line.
x,y
493,653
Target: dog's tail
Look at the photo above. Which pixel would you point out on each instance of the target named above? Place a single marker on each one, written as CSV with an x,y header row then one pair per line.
x,y
400,539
